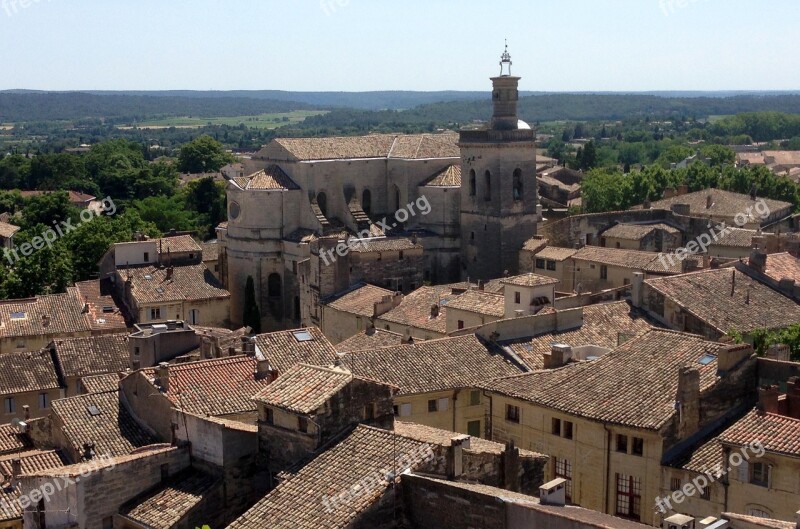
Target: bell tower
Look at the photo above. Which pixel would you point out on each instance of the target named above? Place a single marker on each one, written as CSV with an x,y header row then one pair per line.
x,y
499,199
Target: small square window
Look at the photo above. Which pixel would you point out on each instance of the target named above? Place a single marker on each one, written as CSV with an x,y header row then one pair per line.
x,y
512,413
460,324
568,430
431,405
622,443
675,484
475,398
705,494
555,426
540,264
603,272
146,257
551,265
302,424
637,447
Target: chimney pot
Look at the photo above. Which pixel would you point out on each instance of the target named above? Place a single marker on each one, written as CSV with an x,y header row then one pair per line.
x,y
27,411
162,376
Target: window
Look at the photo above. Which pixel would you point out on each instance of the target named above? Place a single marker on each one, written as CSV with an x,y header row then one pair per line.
x,y
517,188
512,413
759,512
322,202
472,182
302,424
366,201
540,264
155,313
44,401
487,186
136,351
10,405
146,257
442,404
629,496
191,256
637,448
555,426
474,428
395,410
563,469
369,411
675,484
401,255
759,474
622,443
20,344
431,405
517,298
705,493
460,324
568,430
405,410
475,398
270,418
551,265
194,317
603,272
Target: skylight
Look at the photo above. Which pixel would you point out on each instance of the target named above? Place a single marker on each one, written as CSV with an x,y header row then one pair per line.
x,y
17,315
93,410
707,359
148,277
302,336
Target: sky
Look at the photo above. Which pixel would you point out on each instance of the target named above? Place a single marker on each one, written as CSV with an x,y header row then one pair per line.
x,y
361,45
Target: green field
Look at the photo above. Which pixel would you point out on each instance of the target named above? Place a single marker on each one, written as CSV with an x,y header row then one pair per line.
x,y
261,121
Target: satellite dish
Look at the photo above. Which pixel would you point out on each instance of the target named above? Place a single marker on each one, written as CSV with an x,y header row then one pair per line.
x,y
15,422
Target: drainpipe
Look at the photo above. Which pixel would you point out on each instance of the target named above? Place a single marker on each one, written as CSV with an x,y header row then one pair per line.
x,y
726,454
608,468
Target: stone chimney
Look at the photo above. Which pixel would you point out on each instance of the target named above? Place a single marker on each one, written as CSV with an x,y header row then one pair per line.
x,y
731,355
170,271
768,399
558,356
637,289
45,320
162,376
758,260
455,456
264,370
435,310
27,411
683,189
510,466
793,397
709,201
688,401
669,192
780,352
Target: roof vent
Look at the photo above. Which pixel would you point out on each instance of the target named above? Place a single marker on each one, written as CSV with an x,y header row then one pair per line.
x,y
93,410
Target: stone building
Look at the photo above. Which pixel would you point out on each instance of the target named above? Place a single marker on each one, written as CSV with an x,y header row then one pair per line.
x,y
322,214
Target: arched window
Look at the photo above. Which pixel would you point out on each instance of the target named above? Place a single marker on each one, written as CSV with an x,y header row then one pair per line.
x,y
274,289
472,182
487,186
366,201
322,202
517,190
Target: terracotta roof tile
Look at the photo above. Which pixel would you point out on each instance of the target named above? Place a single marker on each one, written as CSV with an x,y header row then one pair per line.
x,y
8,230
535,244
777,433
177,244
555,253
707,295
636,232
100,419
529,280
21,372
101,383
755,521
210,251
414,146
433,365
304,388
103,314
11,441
415,309
480,302
270,178
385,244
724,203
783,265
634,259
34,461
188,283
370,339
283,349
736,237
438,437
634,385
79,357
450,176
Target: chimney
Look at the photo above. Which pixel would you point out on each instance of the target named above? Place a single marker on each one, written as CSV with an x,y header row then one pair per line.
x,y
709,201
683,189
758,260
88,451
85,309
778,351
688,401
264,370
248,345
45,320
162,376
669,192
768,399
637,289
27,411
455,456
731,355
16,468
170,271
558,356
435,310
793,397
509,467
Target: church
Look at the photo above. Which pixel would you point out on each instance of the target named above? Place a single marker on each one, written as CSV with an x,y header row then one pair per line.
x,y
321,215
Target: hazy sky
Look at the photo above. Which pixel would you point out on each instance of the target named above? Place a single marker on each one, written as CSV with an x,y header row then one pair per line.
x,y
352,45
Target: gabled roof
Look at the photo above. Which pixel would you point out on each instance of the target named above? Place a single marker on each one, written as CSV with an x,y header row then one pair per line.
x,y
21,372
283,349
373,338
188,283
634,385
636,232
101,383
450,176
433,365
727,299
400,146
270,178
103,313
34,461
529,280
11,441
177,244
633,259
723,203
415,309
100,419
783,266
304,388
369,458
776,433
220,386
79,357
480,302
555,253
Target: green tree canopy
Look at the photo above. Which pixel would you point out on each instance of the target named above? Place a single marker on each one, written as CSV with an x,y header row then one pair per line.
x,y
202,155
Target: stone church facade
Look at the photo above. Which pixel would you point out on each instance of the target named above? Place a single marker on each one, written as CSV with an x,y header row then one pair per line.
x,y
321,215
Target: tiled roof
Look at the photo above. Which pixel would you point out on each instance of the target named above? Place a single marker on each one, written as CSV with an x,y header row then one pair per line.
x,y
113,430
435,436
304,388
101,461
555,253
11,441
210,251
270,178
782,157
450,176
220,386
635,232
284,349
168,505
736,237
8,230
103,314
387,244
529,280
433,365
602,325
304,500
634,259
370,339
101,383
10,504
783,265
21,372
34,461
188,283
415,309
755,521
535,244
724,203
705,458
727,299
74,196
777,433
177,244
634,385
480,302
79,357
50,315
413,146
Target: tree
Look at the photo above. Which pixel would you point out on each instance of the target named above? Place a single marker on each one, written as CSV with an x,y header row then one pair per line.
x,y
588,159
47,209
207,197
252,315
718,155
202,155
166,213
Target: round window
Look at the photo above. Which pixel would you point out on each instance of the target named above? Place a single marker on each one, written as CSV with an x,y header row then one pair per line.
x,y
234,210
